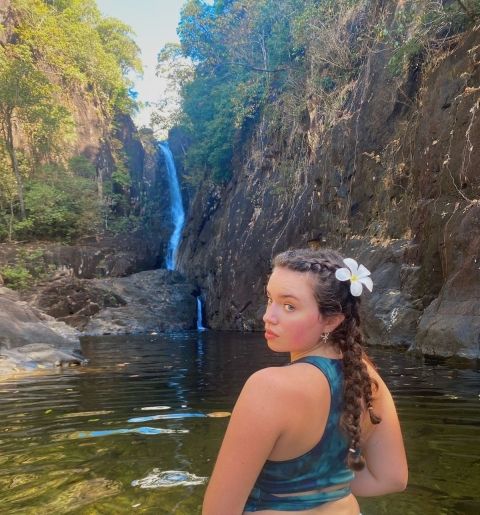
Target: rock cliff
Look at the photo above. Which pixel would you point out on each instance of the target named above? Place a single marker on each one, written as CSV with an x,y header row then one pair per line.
x,y
393,182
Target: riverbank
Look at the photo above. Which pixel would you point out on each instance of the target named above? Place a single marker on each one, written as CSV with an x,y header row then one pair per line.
x,y
40,328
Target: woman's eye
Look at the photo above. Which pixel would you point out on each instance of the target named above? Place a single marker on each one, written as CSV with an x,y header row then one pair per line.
x,y
269,300
289,307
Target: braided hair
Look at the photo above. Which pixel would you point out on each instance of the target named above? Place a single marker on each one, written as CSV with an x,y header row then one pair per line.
x,y
334,297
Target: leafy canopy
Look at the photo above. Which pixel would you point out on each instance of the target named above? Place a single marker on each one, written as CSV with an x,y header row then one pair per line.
x,y
241,51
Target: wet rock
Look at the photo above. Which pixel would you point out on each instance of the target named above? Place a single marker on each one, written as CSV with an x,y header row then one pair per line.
x,y
20,324
30,340
42,355
156,300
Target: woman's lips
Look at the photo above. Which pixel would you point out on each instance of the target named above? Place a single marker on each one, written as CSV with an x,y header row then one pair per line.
x,y
269,335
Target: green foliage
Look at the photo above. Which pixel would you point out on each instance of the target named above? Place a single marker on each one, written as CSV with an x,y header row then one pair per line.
x,y
420,26
86,49
241,61
327,83
16,277
28,267
124,224
242,52
117,189
59,205
29,97
81,166
122,179
53,50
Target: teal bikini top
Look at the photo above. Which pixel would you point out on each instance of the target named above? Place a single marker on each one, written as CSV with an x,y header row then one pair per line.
x,y
324,466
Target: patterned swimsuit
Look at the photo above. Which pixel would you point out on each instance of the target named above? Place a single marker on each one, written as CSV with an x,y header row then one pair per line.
x,y
323,467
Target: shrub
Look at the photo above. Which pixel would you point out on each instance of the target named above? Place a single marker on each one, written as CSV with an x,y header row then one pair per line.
x,y
16,277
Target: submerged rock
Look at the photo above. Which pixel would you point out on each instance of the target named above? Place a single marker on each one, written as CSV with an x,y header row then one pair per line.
x,y
80,494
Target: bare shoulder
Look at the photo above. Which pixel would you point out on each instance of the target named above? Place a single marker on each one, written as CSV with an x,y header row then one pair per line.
x,y
286,379
270,382
261,400
285,385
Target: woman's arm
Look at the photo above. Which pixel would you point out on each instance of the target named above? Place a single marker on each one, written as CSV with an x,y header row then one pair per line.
x,y
386,469
254,428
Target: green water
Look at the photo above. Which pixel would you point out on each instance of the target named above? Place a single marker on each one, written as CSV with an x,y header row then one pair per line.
x,y
51,462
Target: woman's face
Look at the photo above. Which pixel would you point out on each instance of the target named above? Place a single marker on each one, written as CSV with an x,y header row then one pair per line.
x,y
293,322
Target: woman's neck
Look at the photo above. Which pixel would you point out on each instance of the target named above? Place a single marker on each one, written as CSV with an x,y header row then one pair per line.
x,y
321,349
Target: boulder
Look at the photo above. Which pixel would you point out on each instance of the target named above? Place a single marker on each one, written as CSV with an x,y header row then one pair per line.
x,y
30,339
450,325
390,313
156,300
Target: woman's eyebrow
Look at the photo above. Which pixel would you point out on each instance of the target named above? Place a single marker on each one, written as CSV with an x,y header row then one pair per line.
x,y
289,296
285,296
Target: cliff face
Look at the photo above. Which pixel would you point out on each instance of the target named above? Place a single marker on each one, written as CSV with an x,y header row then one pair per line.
x,y
393,183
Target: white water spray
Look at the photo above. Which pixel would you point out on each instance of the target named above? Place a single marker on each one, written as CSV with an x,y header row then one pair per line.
x,y
178,213
199,315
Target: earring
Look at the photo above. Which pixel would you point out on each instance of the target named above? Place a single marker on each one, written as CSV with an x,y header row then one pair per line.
x,y
325,337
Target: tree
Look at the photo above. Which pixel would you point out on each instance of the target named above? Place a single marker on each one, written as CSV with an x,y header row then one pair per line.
x,y
241,51
53,50
82,48
26,101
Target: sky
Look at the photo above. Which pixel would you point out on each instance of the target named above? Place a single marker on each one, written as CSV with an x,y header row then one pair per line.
x,y
154,23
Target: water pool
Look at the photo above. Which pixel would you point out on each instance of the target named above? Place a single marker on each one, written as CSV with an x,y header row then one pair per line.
x,y
128,433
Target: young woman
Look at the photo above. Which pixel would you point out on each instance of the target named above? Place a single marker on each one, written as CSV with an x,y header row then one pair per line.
x,y
306,438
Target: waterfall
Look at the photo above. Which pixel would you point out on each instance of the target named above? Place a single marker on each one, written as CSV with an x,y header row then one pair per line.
x,y
199,315
178,214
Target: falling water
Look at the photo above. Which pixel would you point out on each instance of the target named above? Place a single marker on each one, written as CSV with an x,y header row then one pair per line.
x,y
178,214
199,315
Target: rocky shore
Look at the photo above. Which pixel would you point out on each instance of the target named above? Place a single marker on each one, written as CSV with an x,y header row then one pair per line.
x,y
32,340
41,329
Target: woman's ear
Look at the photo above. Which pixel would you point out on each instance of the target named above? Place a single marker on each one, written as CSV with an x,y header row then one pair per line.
x,y
332,322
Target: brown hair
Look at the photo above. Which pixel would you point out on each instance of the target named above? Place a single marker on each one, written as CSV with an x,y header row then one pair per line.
x,y
334,297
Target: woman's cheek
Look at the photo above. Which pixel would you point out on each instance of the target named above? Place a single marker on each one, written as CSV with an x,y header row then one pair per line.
x,y
307,329
299,332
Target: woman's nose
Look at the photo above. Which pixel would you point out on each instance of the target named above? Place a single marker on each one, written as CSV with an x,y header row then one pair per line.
x,y
270,317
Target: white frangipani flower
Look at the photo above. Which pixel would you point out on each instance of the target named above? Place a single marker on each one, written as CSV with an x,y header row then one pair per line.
x,y
358,276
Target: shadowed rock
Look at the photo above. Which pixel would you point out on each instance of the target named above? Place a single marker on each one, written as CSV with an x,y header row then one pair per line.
x,y
156,300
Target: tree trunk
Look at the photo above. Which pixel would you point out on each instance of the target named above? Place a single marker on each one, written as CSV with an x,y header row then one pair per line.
x,y
10,225
13,157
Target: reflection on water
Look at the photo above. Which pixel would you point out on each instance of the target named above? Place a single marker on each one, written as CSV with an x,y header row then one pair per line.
x,y
169,478
76,441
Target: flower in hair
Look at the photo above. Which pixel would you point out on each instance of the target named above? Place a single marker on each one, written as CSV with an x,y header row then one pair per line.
x,y
358,276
